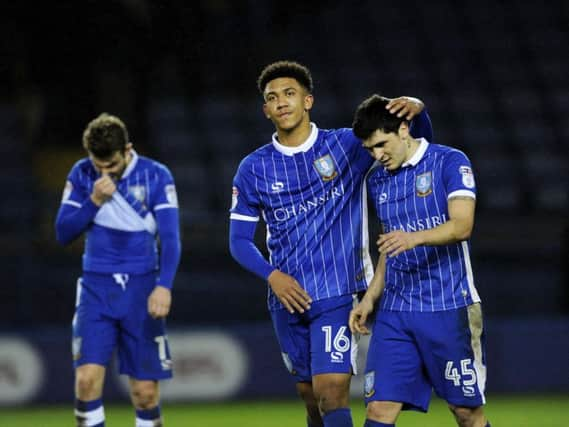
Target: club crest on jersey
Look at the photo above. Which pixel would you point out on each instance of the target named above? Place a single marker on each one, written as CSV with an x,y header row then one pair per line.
x,y
423,184
369,384
325,167
138,192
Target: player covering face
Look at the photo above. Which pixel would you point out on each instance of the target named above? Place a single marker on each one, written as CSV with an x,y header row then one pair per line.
x,y
123,203
307,184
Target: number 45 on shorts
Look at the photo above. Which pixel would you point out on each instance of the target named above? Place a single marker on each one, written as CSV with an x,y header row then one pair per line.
x,y
466,378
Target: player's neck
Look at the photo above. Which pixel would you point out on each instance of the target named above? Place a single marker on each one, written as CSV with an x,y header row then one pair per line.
x,y
127,160
412,147
295,136
128,157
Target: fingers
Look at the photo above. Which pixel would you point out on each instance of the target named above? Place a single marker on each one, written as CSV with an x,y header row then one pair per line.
x,y
158,311
302,294
390,244
353,321
399,106
357,321
289,292
402,107
395,105
293,305
106,184
103,189
295,298
159,303
361,324
385,245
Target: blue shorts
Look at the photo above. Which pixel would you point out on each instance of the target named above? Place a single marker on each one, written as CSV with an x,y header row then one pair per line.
x,y
318,341
412,353
112,313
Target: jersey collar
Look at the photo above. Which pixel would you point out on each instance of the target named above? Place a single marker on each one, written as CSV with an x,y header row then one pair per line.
x,y
423,145
131,165
302,148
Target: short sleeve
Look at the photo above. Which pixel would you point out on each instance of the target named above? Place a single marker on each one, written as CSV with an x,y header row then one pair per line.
x,y
245,202
458,176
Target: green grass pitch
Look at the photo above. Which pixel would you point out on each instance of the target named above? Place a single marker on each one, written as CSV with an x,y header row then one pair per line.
x,y
503,411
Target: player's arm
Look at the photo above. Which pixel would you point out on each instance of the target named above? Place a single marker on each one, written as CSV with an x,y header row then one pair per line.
x,y
73,220
243,249
456,229
247,254
74,217
75,213
360,314
160,300
168,223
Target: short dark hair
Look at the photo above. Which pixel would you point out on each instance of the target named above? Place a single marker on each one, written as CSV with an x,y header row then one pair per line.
x,y
105,135
372,115
285,69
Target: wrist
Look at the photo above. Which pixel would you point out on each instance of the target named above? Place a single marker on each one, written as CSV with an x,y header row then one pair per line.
x,y
369,298
272,274
96,201
418,238
163,286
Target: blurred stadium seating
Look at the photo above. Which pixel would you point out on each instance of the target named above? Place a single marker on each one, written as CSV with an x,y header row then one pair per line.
x,y
492,75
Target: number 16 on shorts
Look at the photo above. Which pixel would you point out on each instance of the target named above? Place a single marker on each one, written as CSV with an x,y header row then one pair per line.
x,y
336,346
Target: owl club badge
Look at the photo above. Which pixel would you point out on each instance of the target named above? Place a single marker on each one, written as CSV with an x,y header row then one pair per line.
x,y
325,167
424,184
138,192
369,384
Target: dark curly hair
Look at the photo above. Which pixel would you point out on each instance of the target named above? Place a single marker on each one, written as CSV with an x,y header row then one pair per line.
x,y
285,69
105,135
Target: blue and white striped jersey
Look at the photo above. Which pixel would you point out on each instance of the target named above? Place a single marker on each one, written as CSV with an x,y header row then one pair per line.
x,y
122,234
415,197
312,199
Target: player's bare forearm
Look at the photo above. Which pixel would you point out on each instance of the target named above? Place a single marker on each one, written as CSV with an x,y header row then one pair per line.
x,y
359,315
377,284
457,229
